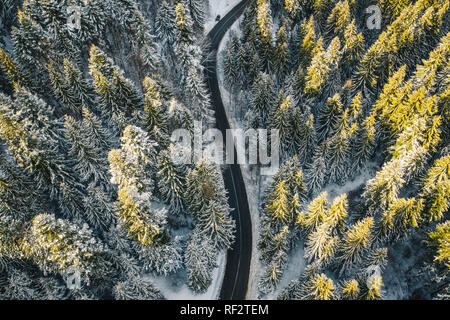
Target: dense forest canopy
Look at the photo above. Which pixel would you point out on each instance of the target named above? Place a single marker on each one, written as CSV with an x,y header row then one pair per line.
x,y
87,177
346,96
92,90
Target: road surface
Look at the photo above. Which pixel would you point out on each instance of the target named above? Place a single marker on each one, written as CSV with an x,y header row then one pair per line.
x,y
235,282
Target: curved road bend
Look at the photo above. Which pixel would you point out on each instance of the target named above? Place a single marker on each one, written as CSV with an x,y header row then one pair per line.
x,y
234,286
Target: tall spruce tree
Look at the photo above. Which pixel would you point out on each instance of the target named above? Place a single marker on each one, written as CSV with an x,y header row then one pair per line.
x,y
207,201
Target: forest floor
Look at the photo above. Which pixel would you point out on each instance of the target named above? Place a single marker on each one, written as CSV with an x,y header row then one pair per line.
x,y
174,287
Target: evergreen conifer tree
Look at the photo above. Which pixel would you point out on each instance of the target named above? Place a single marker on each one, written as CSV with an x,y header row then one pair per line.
x,y
315,214
200,260
171,182
320,287
436,189
355,241
207,201
131,168
350,290
439,239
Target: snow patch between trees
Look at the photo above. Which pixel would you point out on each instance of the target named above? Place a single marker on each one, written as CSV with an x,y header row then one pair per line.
x,y
175,288
218,7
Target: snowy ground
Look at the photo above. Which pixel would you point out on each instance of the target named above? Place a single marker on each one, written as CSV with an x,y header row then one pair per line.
x,y
218,7
295,266
175,288
333,190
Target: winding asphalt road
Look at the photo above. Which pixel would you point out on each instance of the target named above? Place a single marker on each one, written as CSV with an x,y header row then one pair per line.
x,y
235,282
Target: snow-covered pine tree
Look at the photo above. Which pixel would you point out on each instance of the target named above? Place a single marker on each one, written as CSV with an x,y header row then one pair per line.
x,y
178,116
33,139
273,272
339,19
264,21
95,130
308,42
329,116
229,67
306,139
99,208
319,287
374,291
397,220
200,258
70,88
321,245
316,171
315,214
76,246
384,188
184,25
10,236
436,189
18,284
364,144
207,201
262,100
153,105
126,93
281,53
296,83
164,258
118,95
274,253
165,23
295,178
32,46
277,206
355,242
338,157
12,69
131,168
198,95
438,240
322,65
19,198
337,213
376,258
197,8
350,290
308,36
171,183
136,288
62,92
291,291
91,160
353,48
36,114
80,88
292,7
281,120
